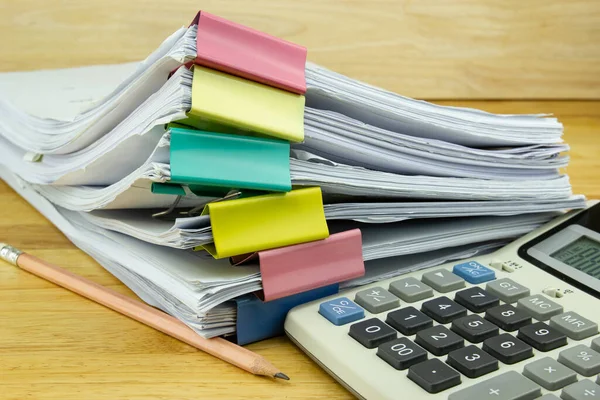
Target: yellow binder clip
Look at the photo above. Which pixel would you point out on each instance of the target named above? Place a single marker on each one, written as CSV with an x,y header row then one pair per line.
x,y
266,222
230,104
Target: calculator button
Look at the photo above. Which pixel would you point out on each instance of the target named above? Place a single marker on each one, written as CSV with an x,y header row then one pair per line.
x,y
411,289
443,280
507,348
341,311
476,299
433,375
585,389
472,362
508,290
539,307
376,300
507,386
408,320
474,328
581,359
574,325
372,332
542,337
401,353
439,340
549,374
473,272
443,310
507,317
596,344
548,396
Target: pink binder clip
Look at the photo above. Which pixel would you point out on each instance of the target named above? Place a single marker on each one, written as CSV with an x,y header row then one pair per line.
x,y
245,52
294,269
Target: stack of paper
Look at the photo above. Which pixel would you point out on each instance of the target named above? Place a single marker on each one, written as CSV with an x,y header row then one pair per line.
x,y
95,148
191,285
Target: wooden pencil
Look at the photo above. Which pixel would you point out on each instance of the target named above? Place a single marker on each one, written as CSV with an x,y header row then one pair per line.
x,y
139,311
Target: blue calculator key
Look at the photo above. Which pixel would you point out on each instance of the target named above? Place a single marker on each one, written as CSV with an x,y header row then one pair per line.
x,y
341,311
473,272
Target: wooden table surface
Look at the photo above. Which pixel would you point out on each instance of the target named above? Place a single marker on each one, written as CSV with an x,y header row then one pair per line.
x,y
57,345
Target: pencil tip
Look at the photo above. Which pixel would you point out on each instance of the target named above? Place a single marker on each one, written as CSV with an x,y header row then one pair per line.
x,y
281,375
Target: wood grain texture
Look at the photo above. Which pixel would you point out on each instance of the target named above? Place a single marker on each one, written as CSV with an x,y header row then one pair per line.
x,y
444,49
57,345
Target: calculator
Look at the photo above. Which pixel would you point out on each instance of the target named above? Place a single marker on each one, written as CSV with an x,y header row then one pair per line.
x,y
518,324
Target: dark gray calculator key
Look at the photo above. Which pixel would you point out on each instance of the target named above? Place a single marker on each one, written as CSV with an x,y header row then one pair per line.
x,y
439,340
507,348
433,375
410,289
408,320
507,290
372,332
443,310
539,307
443,280
401,353
474,328
542,337
476,299
472,362
507,317
507,386
585,389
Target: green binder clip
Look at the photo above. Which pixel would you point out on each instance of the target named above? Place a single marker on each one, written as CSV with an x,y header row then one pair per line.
x,y
201,159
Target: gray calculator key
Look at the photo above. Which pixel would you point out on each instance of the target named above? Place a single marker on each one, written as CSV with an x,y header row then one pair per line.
x,y
582,359
539,307
574,325
410,289
596,344
443,280
549,373
376,300
582,390
507,290
507,386
548,396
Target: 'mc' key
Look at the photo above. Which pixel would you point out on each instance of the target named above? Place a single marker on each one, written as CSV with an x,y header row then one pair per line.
x,y
539,307
574,325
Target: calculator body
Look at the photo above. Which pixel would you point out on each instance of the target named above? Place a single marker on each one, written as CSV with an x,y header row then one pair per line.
x,y
556,297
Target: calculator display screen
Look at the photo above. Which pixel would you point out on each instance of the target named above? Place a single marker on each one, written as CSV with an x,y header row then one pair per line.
x,y
570,250
582,254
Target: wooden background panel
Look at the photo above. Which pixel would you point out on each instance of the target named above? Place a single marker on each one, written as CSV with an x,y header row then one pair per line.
x,y
427,49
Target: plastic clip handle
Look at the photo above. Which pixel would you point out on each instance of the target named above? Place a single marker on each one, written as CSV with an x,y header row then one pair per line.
x,y
227,103
246,52
229,161
295,269
257,223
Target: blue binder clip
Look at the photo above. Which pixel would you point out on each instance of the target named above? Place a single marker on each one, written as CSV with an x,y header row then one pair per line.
x,y
258,320
229,161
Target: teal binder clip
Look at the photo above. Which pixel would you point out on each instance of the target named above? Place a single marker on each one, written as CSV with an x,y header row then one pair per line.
x,y
167,188
221,160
